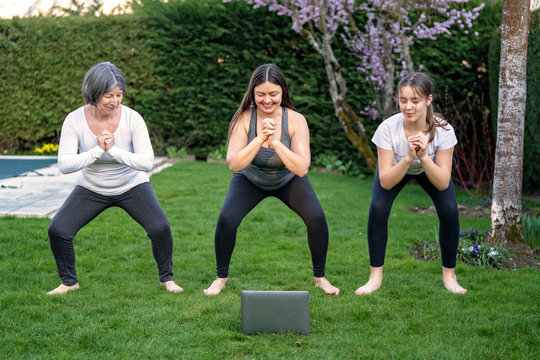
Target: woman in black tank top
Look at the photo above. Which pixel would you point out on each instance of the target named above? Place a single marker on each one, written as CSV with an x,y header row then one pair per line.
x,y
269,155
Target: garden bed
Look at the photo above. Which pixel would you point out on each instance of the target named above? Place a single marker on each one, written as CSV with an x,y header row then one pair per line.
x,y
521,256
464,211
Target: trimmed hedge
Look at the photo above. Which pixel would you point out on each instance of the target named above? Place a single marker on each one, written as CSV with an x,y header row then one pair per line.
x,y
188,64
206,52
44,61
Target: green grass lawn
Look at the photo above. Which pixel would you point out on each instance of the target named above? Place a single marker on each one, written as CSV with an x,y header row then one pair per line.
x,y
121,312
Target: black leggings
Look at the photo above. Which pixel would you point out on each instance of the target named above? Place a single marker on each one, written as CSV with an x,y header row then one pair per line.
x,y
381,203
243,196
83,205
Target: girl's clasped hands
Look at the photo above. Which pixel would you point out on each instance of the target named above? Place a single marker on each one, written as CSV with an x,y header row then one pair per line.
x,y
417,145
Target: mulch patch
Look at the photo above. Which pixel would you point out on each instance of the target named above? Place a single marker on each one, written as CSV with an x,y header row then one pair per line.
x,y
464,211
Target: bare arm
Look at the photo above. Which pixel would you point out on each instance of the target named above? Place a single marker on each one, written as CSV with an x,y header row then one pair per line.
x,y
298,158
438,172
389,174
240,153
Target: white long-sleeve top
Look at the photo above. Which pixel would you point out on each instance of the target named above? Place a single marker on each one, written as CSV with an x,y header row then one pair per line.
x,y
111,172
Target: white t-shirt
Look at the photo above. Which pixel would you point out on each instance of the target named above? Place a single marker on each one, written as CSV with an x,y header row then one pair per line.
x,y
111,172
390,135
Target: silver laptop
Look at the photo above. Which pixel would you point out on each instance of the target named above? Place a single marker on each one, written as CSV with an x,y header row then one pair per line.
x,y
275,311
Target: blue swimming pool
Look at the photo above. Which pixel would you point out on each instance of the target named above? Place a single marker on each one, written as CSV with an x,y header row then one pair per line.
x,y
11,166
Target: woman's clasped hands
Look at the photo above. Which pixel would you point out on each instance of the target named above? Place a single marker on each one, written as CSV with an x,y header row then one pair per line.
x,y
105,140
418,145
269,129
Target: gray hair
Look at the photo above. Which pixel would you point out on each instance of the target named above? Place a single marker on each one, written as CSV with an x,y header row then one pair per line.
x,y
100,79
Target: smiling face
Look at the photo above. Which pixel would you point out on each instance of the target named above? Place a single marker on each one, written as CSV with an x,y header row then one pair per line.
x,y
413,105
268,97
110,101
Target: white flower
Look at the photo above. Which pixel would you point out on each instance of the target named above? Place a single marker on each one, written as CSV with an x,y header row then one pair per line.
x,y
471,249
493,253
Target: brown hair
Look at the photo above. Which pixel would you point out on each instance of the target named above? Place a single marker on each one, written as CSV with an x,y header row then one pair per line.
x,y
422,84
264,73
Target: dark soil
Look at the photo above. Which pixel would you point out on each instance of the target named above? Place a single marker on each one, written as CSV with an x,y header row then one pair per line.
x,y
464,211
522,256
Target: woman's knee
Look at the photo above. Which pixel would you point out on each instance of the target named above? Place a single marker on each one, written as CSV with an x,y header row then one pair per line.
x,y
448,210
159,229
228,220
315,219
379,209
57,231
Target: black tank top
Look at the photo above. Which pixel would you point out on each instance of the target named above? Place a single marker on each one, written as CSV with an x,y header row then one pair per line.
x,y
267,171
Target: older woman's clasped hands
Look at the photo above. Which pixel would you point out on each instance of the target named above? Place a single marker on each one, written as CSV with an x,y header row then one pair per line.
x,y
106,140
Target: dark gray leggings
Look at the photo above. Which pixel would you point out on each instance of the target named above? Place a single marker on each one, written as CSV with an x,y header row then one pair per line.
x,y
243,196
381,203
83,205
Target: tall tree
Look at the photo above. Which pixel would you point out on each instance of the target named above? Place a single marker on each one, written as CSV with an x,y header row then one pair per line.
x,y
382,45
507,181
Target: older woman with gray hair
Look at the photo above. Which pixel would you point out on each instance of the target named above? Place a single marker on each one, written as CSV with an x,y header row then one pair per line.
x,y
109,142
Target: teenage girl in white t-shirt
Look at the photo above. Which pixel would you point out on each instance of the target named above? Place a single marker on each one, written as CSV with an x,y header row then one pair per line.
x,y
414,144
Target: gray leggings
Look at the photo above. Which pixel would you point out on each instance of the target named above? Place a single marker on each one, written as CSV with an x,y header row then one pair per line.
x,y
83,205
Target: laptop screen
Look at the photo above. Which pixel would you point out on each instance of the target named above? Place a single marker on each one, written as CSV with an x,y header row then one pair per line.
x,y
275,311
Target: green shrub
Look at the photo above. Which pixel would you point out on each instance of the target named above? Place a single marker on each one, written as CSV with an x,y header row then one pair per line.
x,y
219,152
330,162
174,152
531,231
44,60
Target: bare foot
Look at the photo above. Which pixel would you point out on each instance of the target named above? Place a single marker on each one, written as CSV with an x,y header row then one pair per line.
x,y
325,285
172,287
374,282
450,281
62,289
216,287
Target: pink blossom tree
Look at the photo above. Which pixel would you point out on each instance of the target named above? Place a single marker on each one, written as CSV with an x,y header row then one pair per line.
x,y
382,45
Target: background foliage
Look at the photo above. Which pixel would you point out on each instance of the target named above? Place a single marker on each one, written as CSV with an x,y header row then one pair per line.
x,y
188,63
44,60
206,52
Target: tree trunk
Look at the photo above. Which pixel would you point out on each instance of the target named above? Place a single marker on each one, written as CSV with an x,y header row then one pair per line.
x,y
352,124
506,205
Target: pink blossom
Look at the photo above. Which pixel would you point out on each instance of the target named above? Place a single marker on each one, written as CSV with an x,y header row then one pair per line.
x,y
393,20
